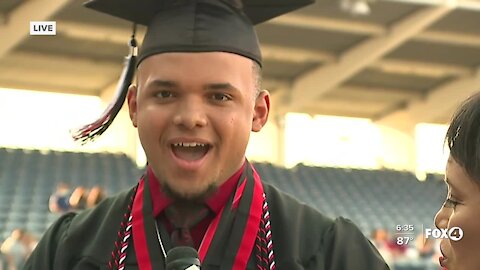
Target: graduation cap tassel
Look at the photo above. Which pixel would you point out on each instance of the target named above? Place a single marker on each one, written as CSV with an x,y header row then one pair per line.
x,y
91,131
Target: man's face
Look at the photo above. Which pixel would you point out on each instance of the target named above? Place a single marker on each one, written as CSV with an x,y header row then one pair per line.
x,y
194,113
462,209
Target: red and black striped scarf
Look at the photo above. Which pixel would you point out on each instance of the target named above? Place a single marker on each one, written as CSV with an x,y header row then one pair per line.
x,y
242,226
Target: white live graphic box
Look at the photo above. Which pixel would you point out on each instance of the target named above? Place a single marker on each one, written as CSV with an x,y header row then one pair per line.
x,y
43,28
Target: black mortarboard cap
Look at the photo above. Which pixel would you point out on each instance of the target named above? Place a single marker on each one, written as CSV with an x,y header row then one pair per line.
x,y
198,25
190,26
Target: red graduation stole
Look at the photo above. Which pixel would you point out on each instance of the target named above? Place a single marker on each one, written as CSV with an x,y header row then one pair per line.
x,y
229,240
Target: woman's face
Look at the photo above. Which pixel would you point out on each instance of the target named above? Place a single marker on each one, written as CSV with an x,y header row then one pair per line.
x,y
461,209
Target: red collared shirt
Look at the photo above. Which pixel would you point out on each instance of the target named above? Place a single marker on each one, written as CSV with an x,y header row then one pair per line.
x,y
215,202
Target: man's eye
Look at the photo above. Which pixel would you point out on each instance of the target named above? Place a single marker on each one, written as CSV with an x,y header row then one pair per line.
x,y
221,97
164,94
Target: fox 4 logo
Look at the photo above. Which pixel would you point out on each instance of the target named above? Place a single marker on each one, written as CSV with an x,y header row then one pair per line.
x,y
454,233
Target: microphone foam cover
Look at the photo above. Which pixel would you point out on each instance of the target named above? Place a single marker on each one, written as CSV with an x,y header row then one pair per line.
x,y
181,258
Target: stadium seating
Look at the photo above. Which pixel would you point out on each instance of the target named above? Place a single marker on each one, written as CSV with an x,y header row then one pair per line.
x,y
371,198
29,177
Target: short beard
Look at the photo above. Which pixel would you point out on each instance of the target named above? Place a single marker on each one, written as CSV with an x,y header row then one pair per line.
x,y
193,198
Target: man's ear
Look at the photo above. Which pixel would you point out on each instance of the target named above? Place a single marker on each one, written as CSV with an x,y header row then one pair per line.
x,y
261,110
132,103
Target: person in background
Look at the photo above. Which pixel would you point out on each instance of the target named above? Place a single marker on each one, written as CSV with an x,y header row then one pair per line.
x,y
427,252
83,198
94,197
59,200
78,198
29,241
425,247
380,239
14,249
3,258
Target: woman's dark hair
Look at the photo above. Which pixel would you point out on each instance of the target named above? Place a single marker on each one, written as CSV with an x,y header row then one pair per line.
x,y
463,136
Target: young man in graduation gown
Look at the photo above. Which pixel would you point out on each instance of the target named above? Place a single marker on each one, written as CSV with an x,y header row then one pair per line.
x,y
195,102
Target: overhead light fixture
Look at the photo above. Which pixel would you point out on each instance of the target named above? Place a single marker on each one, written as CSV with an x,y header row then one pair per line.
x,y
360,8
355,7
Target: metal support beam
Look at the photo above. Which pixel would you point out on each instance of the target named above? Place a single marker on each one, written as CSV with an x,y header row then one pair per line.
x,y
280,100
329,24
317,82
294,55
73,75
438,105
273,52
372,29
417,68
360,93
460,4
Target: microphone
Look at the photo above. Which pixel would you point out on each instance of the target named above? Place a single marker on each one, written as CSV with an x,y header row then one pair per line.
x,y
183,258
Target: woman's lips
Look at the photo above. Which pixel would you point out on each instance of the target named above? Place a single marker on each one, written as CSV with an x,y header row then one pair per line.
x,y
442,261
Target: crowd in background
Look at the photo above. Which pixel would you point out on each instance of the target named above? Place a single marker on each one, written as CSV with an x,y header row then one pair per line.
x,y
424,252
16,248
66,199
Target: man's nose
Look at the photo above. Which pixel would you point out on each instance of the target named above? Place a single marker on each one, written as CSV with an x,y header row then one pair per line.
x,y
190,114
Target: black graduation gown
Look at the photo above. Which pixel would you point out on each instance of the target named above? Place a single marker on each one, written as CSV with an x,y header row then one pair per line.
x,y
302,238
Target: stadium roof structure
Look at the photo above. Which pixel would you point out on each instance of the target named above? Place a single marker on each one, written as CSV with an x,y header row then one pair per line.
x,y
383,59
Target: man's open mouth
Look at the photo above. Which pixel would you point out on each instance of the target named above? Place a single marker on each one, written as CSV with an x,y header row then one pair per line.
x,y
190,151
